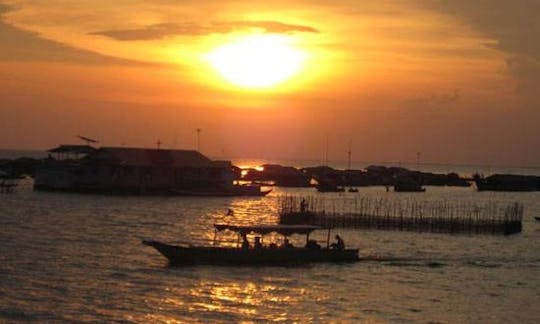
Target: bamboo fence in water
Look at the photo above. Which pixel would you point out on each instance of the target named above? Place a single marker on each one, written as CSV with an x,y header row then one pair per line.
x,y
407,215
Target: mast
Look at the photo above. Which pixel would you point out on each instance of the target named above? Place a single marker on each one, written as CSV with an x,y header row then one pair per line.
x,y
349,156
198,130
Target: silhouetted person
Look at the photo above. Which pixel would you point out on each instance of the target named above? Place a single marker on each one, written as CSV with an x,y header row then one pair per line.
x,y
303,206
245,242
230,212
258,244
286,244
339,244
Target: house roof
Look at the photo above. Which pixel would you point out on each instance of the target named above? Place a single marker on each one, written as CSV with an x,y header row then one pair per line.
x,y
74,149
155,157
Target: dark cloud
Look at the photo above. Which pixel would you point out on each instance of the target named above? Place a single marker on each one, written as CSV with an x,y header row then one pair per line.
x,y
434,100
21,45
513,27
159,31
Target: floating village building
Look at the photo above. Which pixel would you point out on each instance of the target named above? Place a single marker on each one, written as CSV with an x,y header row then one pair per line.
x,y
83,168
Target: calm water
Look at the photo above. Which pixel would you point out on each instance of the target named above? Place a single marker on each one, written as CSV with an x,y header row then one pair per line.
x,y
70,257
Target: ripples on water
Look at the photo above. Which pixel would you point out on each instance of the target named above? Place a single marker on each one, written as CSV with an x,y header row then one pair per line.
x,y
69,257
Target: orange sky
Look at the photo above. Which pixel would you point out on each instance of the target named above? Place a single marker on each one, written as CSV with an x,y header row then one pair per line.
x,y
455,81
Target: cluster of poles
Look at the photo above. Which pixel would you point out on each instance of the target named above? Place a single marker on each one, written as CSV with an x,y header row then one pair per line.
x,y
396,214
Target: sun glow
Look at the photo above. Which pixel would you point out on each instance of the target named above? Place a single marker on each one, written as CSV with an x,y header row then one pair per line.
x,y
260,61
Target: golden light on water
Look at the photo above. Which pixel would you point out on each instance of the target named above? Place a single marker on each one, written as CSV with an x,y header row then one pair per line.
x,y
258,61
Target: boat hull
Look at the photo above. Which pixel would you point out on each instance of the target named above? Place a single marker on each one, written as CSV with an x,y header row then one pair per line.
x,y
179,255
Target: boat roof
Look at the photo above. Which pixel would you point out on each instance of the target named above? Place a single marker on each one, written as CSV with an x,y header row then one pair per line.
x,y
266,229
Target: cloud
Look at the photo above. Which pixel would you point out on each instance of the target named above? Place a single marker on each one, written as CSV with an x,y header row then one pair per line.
x,y
435,100
159,31
527,71
513,27
22,45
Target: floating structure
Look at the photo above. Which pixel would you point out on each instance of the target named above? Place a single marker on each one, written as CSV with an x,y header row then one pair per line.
x,y
121,170
404,215
257,254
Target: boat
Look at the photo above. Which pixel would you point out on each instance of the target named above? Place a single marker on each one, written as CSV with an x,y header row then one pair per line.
x,y
236,190
507,182
241,254
537,218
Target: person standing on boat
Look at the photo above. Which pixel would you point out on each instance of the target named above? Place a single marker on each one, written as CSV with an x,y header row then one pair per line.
x,y
286,244
258,244
339,244
245,242
303,206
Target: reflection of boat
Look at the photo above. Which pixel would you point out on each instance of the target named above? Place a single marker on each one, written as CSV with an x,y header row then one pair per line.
x,y
271,255
237,190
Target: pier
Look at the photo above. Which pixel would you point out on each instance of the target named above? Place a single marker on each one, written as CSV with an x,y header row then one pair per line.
x,y
403,215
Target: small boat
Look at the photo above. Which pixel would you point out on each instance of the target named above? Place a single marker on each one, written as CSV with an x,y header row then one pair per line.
x,y
537,218
242,254
352,189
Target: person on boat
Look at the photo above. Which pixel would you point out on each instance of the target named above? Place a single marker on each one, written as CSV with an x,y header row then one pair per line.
x,y
286,244
245,242
258,244
230,212
303,206
339,244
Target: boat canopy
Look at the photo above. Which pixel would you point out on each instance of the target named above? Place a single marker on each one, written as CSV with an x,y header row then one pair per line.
x,y
285,230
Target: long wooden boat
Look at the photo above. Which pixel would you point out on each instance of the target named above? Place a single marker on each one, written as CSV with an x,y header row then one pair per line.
x,y
238,190
189,255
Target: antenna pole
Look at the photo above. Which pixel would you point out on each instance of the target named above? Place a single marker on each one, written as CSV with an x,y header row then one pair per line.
x,y
198,139
349,156
326,152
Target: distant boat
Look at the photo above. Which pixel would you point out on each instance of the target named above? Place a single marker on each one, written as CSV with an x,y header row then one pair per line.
x,y
537,218
245,255
351,189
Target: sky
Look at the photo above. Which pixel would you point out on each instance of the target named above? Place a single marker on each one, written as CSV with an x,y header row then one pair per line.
x,y
456,81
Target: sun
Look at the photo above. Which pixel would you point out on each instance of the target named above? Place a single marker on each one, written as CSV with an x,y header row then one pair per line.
x,y
258,61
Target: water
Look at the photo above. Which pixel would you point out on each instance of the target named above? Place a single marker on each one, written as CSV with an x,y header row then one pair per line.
x,y
70,257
